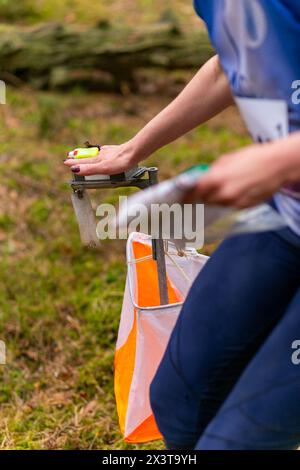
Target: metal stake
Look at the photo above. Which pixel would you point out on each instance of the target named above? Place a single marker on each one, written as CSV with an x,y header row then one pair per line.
x,y
158,251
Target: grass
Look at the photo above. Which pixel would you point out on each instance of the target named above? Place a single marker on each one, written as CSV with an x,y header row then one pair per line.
x,y
60,304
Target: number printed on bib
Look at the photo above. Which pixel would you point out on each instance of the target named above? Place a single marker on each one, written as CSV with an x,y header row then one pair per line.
x,y
266,120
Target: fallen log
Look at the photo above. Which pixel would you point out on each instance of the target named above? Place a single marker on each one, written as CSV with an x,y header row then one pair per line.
x,y
59,56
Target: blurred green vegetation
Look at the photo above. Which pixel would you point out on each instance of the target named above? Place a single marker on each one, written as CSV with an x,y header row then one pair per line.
x,y
101,11
60,304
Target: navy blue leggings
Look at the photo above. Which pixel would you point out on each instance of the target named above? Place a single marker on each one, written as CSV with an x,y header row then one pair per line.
x,y
227,380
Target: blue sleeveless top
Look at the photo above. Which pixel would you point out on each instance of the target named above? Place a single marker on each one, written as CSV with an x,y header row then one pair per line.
x,y
258,43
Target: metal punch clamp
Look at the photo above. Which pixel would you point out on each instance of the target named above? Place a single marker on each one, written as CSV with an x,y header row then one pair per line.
x,y
138,177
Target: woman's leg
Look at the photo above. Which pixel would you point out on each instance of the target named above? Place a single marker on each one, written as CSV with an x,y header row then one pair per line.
x,y
233,305
263,409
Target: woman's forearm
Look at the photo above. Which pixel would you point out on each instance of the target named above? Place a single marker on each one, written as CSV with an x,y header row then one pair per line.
x,y
207,94
285,154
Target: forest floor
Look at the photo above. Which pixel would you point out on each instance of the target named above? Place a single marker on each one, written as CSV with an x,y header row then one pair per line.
x,y
59,303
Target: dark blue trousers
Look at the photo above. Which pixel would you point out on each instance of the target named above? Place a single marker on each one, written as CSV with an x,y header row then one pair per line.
x,y
227,379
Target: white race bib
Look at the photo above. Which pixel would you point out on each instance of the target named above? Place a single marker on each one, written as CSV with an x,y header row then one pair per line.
x,y
266,120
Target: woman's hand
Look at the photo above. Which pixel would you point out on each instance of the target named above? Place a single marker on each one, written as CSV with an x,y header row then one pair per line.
x,y
112,159
243,178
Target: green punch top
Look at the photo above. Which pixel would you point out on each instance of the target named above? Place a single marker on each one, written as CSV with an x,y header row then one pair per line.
x,y
90,152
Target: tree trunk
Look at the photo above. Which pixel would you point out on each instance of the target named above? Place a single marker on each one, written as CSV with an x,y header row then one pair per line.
x,y
58,56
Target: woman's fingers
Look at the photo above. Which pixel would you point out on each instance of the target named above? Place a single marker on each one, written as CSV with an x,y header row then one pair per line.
x,y
205,189
87,169
233,192
210,184
110,161
105,167
82,161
